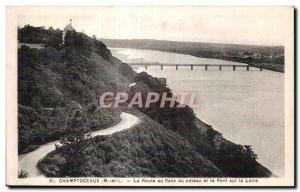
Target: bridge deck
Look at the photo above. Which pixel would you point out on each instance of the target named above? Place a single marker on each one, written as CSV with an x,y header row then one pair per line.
x,y
187,65
193,65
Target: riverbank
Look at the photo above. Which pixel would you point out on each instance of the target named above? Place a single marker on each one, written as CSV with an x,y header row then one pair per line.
x,y
267,57
230,95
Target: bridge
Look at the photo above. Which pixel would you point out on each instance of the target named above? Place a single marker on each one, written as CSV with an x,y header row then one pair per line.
x,y
192,66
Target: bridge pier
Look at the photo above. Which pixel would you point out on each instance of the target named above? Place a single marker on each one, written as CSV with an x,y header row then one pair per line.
x,y
192,66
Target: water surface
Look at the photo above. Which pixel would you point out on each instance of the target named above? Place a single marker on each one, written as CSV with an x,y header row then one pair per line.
x,y
247,107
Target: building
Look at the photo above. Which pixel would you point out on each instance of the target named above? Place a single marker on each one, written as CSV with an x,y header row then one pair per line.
x,y
67,28
257,56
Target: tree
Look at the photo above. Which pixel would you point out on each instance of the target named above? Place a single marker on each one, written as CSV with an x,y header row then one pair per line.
x,y
73,144
237,160
76,129
92,107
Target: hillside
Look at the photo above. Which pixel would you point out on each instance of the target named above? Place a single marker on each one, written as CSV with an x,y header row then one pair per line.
x,y
55,81
268,57
147,150
60,83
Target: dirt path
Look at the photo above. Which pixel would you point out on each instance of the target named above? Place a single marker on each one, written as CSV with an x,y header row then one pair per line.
x,y
28,162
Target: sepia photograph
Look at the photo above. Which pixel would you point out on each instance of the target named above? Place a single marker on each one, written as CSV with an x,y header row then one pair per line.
x,y
150,96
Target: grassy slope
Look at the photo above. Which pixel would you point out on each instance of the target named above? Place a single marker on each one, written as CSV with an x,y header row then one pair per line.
x,y
55,81
43,125
147,150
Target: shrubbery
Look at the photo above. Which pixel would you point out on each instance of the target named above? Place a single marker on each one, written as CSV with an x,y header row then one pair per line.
x,y
52,79
39,126
22,174
148,150
233,160
237,160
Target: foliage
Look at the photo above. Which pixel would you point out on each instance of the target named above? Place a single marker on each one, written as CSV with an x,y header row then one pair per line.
x,y
75,72
233,160
76,132
22,174
173,118
76,128
240,160
58,76
39,126
148,150
231,52
40,35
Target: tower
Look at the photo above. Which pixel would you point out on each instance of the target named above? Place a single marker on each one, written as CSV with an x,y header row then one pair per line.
x,y
67,28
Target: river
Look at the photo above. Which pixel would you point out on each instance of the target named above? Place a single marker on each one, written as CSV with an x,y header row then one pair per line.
x,y
247,107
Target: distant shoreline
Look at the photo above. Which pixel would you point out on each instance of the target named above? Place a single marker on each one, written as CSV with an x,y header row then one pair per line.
x,y
204,50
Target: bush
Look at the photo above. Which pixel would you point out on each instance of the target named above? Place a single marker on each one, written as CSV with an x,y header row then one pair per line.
x,y
22,174
237,160
39,126
148,150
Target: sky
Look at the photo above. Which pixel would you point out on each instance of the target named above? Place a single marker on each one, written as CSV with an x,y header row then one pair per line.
x,y
234,25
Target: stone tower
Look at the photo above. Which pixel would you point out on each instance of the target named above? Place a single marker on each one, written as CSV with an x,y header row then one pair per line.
x,y
67,28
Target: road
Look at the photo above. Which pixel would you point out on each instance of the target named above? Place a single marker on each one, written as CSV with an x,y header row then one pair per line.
x,y
28,162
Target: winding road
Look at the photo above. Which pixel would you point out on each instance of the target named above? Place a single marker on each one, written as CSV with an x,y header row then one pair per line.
x,y
28,162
